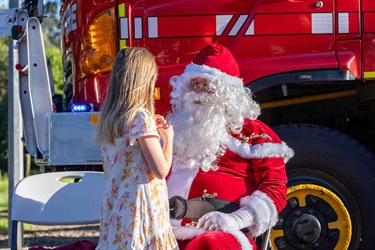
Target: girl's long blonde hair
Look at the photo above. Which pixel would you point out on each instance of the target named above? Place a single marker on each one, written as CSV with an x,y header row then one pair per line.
x,y
130,89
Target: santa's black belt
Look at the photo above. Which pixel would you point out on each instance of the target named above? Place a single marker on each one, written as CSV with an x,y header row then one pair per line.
x,y
195,208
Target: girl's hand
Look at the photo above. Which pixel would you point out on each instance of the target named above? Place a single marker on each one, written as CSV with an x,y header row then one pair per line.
x,y
159,120
166,132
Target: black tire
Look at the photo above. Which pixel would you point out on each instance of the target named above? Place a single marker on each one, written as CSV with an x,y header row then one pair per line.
x,y
334,161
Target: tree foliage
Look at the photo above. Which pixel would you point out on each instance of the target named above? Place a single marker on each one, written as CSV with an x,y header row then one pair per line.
x,y
51,35
3,103
4,133
54,56
51,41
3,66
50,24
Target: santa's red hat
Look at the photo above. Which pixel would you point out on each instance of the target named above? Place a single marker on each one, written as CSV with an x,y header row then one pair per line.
x,y
214,62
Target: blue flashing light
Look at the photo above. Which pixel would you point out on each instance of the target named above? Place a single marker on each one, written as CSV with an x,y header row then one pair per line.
x,y
80,107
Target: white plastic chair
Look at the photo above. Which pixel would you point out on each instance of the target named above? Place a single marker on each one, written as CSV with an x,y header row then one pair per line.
x,y
43,199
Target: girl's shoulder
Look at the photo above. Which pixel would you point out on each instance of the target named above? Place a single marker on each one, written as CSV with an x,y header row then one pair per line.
x,y
144,112
141,112
143,116
143,125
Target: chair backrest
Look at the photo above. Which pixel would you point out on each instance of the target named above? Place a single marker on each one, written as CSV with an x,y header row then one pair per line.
x,y
43,199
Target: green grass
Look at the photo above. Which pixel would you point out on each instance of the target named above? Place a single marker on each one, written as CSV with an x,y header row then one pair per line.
x,y
3,225
4,193
3,203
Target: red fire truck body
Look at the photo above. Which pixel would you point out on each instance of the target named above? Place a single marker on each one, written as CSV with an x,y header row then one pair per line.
x,y
309,63
267,38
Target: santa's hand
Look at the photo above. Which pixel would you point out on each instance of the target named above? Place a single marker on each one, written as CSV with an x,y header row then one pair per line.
x,y
218,221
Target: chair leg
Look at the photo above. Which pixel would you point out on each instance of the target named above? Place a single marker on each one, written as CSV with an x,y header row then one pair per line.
x,y
265,240
13,245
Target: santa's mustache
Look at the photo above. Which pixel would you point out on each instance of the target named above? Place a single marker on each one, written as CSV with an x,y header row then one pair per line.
x,y
201,98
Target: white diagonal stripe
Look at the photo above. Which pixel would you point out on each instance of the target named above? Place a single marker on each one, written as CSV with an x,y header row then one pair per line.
x,y
250,30
222,22
237,26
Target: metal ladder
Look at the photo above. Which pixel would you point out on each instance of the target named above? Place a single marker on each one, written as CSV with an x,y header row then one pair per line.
x,y
36,86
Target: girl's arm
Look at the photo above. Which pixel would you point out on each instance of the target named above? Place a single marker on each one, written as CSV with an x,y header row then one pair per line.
x,y
158,159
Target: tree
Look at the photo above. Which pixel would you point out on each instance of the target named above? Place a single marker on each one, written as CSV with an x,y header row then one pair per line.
x,y
4,134
51,40
51,36
3,66
54,56
50,24
3,103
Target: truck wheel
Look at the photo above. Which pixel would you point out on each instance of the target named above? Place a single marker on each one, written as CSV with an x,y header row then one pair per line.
x,y
331,186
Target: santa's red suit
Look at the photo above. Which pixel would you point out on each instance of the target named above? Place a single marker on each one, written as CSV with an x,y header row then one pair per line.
x,y
250,172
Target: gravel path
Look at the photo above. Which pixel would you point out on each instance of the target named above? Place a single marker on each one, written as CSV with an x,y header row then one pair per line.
x,y
53,236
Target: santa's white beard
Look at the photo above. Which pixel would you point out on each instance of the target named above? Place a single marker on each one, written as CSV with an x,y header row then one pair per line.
x,y
202,121
200,132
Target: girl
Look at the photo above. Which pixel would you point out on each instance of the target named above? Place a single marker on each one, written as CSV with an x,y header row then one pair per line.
x,y
135,209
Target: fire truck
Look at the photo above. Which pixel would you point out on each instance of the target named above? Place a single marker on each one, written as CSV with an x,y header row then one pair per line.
x,y
309,63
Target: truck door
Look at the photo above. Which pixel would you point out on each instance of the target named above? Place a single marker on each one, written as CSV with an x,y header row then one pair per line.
x,y
348,33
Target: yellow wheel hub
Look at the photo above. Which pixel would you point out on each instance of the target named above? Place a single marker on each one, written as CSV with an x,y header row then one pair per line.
x,y
303,201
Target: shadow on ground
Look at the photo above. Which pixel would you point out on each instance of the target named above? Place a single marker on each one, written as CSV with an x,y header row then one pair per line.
x,y
54,236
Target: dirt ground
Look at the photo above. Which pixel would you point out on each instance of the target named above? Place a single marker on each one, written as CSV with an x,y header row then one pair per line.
x,y
53,236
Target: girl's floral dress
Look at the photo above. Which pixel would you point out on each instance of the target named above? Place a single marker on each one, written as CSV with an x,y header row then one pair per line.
x,y
135,209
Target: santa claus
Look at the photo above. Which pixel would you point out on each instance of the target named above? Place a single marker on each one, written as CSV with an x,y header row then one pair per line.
x,y
228,179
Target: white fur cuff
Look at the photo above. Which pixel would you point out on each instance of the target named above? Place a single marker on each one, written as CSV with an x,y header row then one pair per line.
x,y
264,211
187,233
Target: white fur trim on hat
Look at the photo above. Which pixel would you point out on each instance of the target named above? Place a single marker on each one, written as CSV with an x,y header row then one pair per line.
x,y
264,210
209,73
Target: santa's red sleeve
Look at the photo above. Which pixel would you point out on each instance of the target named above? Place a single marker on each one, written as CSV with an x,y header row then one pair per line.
x,y
267,155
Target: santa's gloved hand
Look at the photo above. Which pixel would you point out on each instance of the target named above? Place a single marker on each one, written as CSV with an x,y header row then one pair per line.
x,y
218,221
